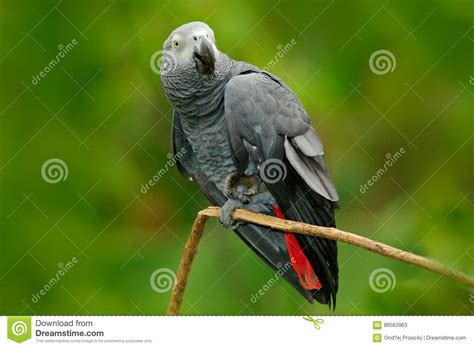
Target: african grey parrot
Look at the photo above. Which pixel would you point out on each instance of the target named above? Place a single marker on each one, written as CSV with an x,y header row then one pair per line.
x,y
243,136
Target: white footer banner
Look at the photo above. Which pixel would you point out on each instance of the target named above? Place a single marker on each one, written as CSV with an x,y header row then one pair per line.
x,y
226,331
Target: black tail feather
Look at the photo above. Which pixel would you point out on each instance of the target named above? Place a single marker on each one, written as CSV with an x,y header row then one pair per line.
x,y
300,203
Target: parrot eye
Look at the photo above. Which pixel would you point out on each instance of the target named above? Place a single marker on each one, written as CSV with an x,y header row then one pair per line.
x,y
176,44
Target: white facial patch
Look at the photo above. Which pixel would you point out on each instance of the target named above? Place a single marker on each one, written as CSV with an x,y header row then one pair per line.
x,y
200,33
204,33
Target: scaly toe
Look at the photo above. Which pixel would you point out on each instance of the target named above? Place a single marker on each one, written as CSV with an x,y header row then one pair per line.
x,y
226,214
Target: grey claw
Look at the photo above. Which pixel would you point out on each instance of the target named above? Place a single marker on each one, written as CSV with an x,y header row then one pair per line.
x,y
226,214
229,185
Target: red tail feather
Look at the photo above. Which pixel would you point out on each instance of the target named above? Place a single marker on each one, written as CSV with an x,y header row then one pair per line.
x,y
299,261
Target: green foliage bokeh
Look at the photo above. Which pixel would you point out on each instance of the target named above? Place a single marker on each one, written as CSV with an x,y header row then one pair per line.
x,y
102,111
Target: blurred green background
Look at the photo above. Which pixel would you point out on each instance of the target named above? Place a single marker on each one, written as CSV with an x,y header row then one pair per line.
x,y
102,111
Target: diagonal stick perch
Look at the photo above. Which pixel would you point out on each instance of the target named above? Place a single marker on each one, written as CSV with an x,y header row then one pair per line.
x,y
302,228
190,251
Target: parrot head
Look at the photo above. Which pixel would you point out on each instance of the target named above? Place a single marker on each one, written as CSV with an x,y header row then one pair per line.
x,y
192,48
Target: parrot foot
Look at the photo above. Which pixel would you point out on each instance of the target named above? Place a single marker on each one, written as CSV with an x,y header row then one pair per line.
x,y
226,214
240,187
241,190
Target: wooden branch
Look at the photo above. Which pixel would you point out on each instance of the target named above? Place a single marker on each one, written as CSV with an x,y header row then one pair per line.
x,y
190,251
302,228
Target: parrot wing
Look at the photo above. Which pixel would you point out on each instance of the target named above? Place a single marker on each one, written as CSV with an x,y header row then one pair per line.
x,y
268,127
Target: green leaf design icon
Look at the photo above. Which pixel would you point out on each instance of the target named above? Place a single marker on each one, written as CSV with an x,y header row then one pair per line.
x,y
316,322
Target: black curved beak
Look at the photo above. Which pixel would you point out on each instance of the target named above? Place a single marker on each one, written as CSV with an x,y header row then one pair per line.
x,y
203,56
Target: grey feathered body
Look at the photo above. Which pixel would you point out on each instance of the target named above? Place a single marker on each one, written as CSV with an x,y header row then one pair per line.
x,y
202,115
208,138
